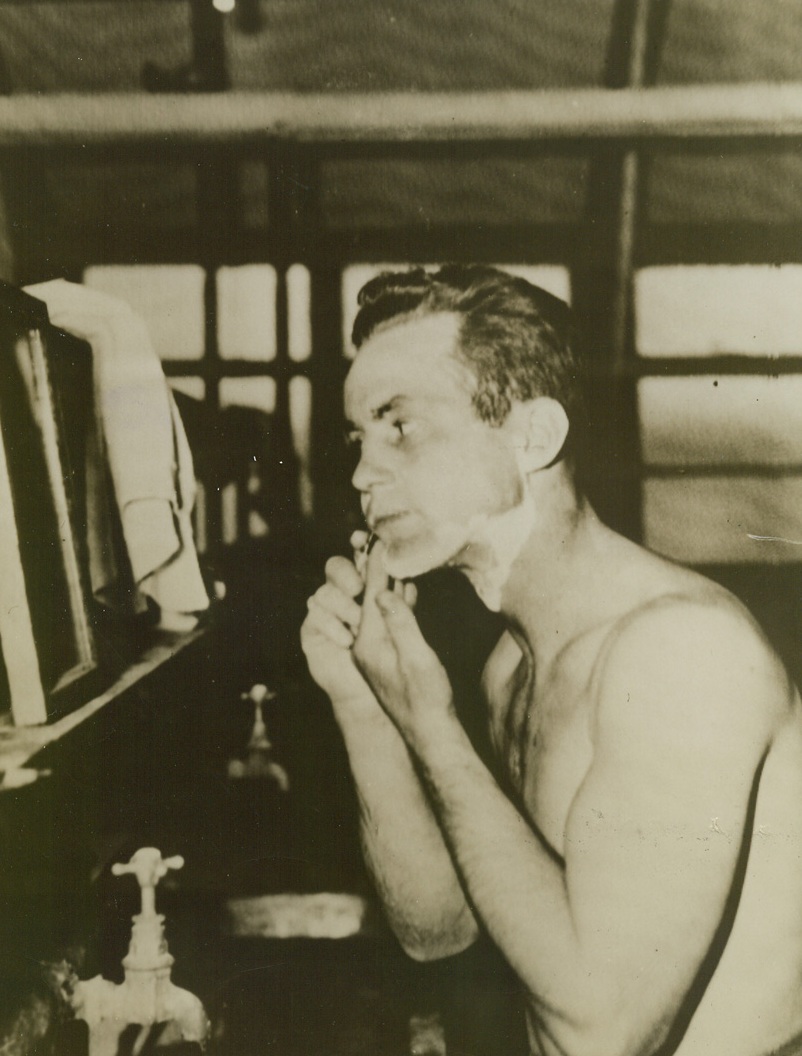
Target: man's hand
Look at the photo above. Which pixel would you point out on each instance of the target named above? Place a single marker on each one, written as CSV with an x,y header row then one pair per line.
x,y
329,631
394,657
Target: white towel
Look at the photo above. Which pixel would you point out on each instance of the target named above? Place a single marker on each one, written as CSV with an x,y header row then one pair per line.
x,y
143,440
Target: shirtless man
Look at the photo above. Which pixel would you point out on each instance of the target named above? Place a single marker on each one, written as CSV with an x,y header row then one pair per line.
x,y
636,851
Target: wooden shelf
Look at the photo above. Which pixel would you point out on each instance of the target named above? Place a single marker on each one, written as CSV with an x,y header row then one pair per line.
x,y
18,744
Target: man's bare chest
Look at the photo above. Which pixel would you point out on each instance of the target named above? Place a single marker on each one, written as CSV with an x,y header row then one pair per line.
x,y
541,731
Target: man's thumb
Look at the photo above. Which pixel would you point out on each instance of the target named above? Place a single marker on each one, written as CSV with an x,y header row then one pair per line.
x,y
375,575
399,620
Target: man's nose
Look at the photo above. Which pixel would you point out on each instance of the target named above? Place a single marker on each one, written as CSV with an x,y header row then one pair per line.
x,y
371,469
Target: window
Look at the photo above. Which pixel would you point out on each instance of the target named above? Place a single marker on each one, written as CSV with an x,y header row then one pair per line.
x,y
722,448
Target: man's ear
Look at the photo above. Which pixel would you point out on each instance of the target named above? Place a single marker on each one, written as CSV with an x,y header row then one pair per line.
x,y
541,428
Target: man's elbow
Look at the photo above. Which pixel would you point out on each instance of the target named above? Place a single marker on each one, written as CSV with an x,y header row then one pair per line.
x,y
440,940
437,948
605,1035
593,1013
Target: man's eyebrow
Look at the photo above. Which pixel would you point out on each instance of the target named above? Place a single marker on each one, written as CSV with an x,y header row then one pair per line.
x,y
380,412
388,407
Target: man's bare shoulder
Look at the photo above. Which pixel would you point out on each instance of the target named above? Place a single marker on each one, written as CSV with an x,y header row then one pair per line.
x,y
693,657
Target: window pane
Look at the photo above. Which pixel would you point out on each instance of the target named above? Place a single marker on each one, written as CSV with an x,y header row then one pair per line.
x,y
258,393
724,519
299,301
246,312
706,310
707,420
199,518
229,512
169,297
240,501
300,419
194,387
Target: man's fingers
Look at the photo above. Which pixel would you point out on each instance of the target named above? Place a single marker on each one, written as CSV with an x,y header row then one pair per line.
x,y
359,539
338,604
373,647
375,576
400,623
342,574
321,621
407,590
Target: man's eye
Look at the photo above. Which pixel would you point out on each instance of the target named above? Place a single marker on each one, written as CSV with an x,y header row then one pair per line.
x,y
402,428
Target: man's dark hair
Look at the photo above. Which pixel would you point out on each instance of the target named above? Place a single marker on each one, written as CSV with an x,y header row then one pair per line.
x,y
517,340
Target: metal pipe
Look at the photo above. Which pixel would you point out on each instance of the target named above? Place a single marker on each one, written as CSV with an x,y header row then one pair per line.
x,y
674,113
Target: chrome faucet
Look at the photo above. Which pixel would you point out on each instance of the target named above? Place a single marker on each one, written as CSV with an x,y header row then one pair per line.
x,y
147,997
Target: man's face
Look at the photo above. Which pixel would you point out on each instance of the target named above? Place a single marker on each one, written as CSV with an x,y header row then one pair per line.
x,y
430,470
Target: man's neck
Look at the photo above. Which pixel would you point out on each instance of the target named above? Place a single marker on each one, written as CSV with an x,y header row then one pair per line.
x,y
549,595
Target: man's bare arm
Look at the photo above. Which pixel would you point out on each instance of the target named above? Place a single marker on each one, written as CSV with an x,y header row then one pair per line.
x,y
609,940
402,843
401,839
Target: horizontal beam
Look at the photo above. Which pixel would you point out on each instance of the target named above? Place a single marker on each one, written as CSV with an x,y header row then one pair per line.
x,y
724,242
672,113
718,365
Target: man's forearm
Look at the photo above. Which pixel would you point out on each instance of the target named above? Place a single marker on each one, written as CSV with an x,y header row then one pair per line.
x,y
402,842
514,883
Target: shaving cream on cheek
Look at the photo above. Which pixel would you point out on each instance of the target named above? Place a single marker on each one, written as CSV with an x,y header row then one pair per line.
x,y
496,542
449,539
485,549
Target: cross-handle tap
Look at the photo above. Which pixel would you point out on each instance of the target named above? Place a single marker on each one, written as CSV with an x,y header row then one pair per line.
x,y
259,695
148,867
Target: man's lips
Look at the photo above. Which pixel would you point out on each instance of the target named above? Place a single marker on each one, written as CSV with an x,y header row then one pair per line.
x,y
377,521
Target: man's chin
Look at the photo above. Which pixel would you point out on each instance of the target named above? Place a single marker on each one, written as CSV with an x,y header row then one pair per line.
x,y
406,568
408,561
